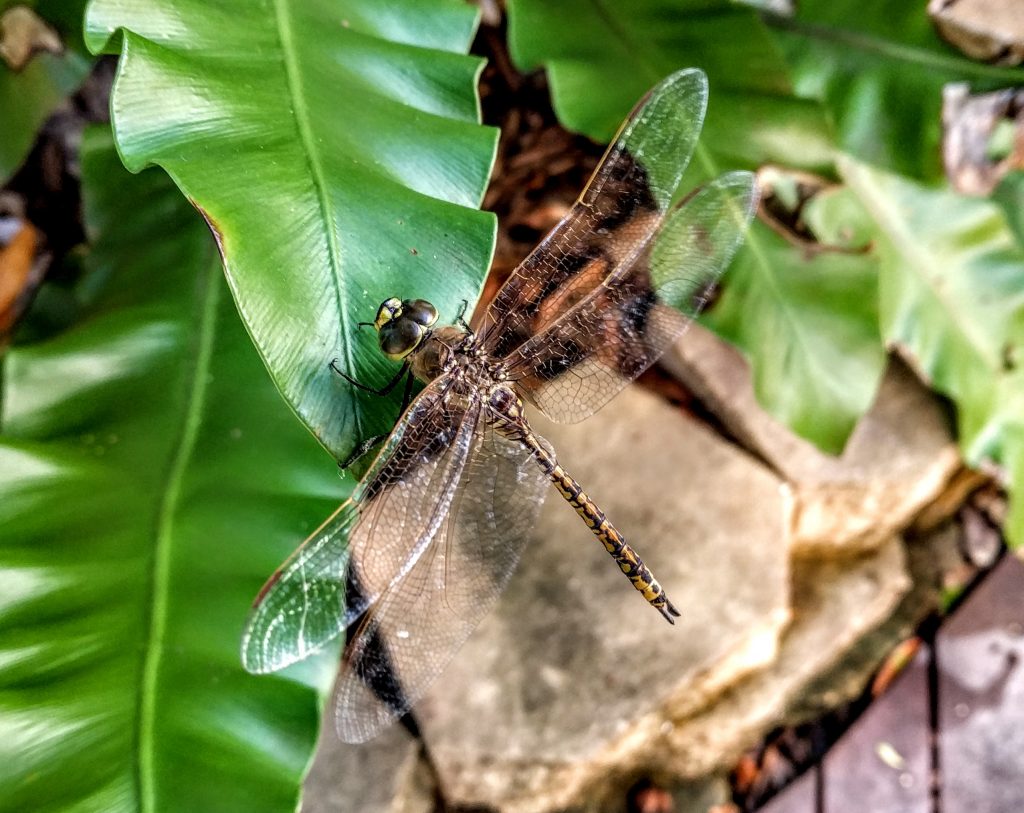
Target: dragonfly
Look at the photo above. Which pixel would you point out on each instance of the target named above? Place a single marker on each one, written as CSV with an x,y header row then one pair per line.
x,y
433,531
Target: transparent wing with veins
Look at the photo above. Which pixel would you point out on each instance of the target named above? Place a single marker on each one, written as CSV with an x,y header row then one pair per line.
x,y
379,533
602,334
419,623
622,206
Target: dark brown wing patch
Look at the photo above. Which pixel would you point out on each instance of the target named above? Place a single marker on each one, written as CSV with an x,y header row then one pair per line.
x,y
599,337
615,216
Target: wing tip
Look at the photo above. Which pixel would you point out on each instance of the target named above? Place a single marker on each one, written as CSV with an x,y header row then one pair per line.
x,y
740,185
256,661
692,74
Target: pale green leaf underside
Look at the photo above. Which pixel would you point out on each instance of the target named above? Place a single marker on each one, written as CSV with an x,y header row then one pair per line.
x,y
952,295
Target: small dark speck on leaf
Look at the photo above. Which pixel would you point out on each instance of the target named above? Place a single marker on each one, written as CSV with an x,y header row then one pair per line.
x,y
217,236
413,251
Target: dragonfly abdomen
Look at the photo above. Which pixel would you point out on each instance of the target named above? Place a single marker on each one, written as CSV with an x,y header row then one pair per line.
x,y
507,418
621,551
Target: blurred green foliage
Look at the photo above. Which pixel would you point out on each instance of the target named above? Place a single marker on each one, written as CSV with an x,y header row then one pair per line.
x,y
29,95
815,325
152,477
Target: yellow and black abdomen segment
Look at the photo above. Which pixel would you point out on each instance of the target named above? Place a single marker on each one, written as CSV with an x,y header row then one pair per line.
x,y
627,559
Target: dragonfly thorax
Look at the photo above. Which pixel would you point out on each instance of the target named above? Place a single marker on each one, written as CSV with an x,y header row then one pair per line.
x,y
451,351
405,332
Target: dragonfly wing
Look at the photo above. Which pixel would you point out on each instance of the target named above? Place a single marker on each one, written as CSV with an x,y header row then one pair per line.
x,y
618,328
419,623
299,610
371,541
621,207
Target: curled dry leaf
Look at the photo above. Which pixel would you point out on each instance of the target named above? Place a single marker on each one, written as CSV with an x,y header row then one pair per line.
x,y
651,799
983,137
990,30
965,482
784,193
746,772
22,34
982,541
894,665
788,197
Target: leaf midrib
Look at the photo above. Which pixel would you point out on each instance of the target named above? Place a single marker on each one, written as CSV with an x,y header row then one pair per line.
x,y
293,80
889,221
901,52
210,294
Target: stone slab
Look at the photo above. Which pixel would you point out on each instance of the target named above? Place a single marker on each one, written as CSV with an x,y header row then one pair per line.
x,y
927,560
385,775
897,461
836,605
564,692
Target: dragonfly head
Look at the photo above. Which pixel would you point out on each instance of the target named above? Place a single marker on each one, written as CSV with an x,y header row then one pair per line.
x,y
402,325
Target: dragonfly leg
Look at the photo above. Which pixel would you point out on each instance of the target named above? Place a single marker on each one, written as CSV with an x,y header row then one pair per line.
x,y
460,317
362,449
370,443
382,391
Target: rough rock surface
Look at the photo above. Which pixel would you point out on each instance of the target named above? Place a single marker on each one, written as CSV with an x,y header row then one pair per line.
x,y
385,775
563,692
898,459
928,559
835,605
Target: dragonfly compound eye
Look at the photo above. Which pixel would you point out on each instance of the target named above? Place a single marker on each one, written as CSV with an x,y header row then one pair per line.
x,y
389,310
399,337
420,311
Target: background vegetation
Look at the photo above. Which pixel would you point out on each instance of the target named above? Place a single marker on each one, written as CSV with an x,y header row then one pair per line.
x,y
153,475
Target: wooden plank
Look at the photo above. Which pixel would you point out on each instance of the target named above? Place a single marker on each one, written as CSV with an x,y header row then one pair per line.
x,y
980,659
797,798
882,764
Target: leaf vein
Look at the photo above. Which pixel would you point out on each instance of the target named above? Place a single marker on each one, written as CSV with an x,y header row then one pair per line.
x,y
295,91
161,565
